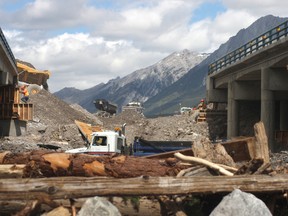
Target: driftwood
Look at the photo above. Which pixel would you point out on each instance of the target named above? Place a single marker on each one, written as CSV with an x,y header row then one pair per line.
x,y
204,162
78,187
47,164
261,145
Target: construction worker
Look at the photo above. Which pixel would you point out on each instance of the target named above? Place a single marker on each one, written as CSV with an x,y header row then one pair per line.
x,y
201,105
24,91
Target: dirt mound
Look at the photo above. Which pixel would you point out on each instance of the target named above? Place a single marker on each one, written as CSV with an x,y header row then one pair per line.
x,y
169,128
53,124
50,110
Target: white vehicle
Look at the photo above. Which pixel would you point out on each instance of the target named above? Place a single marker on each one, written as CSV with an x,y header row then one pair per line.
x,y
103,143
185,110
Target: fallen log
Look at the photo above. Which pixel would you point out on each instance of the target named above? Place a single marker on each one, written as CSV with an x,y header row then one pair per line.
x,y
204,162
80,187
51,164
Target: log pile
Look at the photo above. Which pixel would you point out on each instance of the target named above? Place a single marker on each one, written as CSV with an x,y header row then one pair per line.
x,y
43,177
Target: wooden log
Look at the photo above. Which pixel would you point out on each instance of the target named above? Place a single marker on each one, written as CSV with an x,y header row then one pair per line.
x,y
80,187
187,151
204,162
2,156
264,169
11,171
232,169
261,144
240,148
51,164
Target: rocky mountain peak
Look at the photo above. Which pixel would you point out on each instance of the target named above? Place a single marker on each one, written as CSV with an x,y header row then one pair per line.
x,y
140,84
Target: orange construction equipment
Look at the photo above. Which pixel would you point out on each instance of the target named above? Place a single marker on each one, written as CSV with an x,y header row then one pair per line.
x,y
33,77
87,129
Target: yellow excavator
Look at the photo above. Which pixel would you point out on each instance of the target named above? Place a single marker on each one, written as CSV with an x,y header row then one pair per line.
x,y
33,78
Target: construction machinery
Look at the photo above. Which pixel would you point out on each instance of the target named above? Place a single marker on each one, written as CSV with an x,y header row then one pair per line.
x,y
105,108
100,141
33,78
184,110
143,147
107,142
133,105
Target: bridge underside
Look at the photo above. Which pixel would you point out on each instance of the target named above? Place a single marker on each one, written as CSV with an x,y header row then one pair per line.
x,y
257,89
13,114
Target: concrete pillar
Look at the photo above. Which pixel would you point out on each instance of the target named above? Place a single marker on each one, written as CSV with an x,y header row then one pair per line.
x,y
267,106
284,115
214,95
12,127
232,113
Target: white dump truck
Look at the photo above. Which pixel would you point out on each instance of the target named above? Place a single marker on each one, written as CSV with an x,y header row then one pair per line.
x,y
99,141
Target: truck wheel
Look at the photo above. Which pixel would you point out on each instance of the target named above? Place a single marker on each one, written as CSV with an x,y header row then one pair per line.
x,y
33,89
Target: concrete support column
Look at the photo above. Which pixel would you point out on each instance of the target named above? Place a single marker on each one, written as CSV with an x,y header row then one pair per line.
x,y
12,127
214,95
232,113
284,115
267,106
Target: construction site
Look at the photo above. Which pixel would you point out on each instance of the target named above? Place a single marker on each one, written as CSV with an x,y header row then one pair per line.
x,y
38,157
59,159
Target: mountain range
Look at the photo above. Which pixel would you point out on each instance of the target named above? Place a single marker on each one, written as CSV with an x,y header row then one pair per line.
x,y
138,86
177,80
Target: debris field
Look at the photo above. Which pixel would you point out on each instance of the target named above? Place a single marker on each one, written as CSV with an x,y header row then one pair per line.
x,y
130,183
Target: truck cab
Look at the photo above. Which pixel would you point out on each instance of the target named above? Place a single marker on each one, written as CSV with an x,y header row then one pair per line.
x,y
103,143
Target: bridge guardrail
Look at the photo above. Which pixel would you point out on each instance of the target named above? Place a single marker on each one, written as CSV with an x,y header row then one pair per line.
x,y
252,46
4,41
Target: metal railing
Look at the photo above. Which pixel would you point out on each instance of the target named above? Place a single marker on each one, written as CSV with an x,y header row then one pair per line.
x,y
4,41
252,46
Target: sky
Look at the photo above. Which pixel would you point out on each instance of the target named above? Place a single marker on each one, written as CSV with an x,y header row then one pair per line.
x,y
87,42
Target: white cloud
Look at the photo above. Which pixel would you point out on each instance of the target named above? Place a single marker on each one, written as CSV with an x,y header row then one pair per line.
x,y
81,59
259,8
83,45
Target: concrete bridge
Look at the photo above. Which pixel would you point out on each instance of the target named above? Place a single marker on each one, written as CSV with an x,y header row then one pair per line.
x,y
256,73
8,68
13,114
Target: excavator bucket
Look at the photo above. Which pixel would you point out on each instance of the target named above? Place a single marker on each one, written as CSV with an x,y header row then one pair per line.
x,y
30,75
87,129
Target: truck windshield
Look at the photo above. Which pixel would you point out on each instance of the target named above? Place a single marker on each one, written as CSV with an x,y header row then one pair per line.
x,y
100,141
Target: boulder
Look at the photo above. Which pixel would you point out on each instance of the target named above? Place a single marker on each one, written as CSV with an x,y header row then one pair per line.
x,y
98,206
241,203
